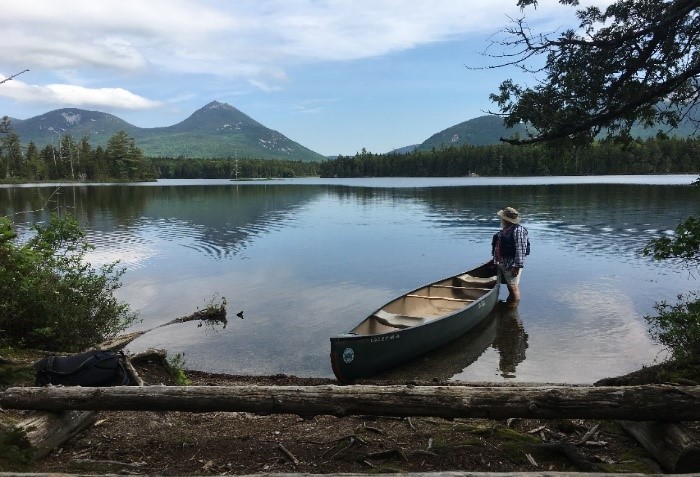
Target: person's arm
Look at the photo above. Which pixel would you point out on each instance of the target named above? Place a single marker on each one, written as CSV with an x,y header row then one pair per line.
x,y
520,239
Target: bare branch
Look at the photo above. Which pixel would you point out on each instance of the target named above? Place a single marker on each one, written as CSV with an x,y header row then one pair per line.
x,y
11,77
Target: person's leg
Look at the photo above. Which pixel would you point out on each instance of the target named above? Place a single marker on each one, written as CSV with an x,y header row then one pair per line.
x,y
513,284
513,293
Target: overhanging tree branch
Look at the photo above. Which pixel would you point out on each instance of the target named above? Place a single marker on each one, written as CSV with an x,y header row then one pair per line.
x,y
626,62
11,77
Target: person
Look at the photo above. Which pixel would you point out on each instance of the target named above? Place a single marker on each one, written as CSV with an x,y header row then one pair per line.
x,y
509,248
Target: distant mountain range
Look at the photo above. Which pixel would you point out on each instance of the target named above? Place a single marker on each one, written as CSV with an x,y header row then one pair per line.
x,y
487,130
216,130
220,130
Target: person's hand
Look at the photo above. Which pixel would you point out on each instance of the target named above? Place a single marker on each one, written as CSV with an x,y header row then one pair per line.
x,y
515,271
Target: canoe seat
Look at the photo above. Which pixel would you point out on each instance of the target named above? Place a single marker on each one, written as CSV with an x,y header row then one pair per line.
x,y
468,280
397,321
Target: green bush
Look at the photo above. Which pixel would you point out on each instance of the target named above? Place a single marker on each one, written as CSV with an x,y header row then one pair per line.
x,y
684,244
677,327
52,298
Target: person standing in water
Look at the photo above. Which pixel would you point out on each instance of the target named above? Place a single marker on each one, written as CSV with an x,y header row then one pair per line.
x,y
509,248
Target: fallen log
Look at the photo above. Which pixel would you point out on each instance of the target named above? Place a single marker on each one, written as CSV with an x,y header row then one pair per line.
x,y
213,314
390,474
634,403
45,431
674,446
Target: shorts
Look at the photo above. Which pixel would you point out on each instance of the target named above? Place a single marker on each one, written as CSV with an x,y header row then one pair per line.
x,y
507,277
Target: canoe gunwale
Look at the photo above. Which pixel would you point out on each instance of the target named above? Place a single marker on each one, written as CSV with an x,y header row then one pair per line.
x,y
473,303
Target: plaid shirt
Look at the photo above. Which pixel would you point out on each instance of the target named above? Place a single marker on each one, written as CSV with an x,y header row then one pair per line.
x,y
520,238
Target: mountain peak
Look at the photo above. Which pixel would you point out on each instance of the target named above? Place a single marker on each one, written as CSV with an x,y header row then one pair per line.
x,y
218,105
217,116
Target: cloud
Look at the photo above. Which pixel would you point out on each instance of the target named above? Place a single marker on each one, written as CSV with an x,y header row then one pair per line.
x,y
77,96
229,37
253,42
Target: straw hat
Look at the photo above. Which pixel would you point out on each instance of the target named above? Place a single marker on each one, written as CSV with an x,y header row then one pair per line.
x,y
509,214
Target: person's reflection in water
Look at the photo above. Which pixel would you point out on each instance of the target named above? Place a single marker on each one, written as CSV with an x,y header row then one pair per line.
x,y
510,341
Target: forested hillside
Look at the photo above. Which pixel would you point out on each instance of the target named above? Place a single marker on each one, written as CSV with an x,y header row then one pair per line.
x,y
122,160
651,156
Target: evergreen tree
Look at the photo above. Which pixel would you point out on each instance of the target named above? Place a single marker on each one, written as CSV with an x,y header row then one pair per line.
x,y
611,72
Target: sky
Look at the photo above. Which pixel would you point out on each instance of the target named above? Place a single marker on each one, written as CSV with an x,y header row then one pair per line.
x,y
336,76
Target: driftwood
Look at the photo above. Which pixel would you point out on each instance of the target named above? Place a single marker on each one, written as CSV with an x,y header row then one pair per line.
x,y
211,314
637,403
150,355
402,474
45,431
674,446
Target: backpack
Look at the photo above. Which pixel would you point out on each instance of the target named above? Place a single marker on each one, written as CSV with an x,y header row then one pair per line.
x,y
508,242
90,369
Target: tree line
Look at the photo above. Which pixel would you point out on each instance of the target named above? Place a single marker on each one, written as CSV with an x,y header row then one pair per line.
x,y
72,159
122,160
650,156
231,168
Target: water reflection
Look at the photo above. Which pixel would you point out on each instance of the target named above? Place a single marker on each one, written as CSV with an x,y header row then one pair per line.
x,y
220,220
308,261
510,341
213,220
593,218
502,329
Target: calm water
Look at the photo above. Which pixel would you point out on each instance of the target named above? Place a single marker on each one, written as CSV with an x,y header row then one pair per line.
x,y
308,258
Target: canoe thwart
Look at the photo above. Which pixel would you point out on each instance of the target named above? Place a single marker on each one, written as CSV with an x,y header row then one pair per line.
x,y
461,288
440,298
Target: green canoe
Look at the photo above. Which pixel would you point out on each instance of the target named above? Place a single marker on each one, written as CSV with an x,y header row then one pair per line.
x,y
415,323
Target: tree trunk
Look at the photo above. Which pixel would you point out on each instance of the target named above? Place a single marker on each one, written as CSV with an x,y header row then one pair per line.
x,y
46,430
634,403
674,446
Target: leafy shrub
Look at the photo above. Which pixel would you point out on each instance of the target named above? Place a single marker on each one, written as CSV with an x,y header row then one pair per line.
x,y
684,244
678,327
176,367
52,298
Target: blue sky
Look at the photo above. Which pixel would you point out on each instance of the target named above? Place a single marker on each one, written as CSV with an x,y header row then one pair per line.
x,y
333,75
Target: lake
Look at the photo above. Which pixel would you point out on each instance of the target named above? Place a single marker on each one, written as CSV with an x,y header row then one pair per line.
x,y
305,259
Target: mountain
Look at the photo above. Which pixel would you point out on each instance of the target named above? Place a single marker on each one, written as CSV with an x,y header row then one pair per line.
x,y
487,130
216,130
481,131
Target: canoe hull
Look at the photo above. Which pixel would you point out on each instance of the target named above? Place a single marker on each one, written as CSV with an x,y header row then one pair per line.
x,y
356,356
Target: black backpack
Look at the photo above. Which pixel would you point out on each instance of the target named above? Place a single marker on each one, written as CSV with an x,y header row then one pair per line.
x,y
90,369
508,242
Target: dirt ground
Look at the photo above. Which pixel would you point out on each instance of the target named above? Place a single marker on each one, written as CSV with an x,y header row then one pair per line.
x,y
177,443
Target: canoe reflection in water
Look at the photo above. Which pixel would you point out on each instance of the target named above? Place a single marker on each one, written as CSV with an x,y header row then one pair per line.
x,y
502,329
